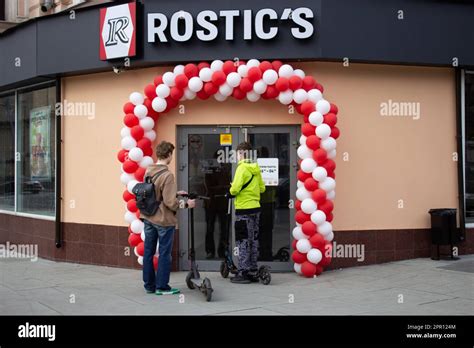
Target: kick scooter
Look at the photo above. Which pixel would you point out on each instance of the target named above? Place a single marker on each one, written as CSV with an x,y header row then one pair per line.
x,y
193,278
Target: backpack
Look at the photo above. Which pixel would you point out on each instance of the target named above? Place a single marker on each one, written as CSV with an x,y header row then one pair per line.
x,y
146,195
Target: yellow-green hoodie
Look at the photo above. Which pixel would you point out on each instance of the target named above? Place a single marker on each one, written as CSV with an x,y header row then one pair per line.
x,y
249,197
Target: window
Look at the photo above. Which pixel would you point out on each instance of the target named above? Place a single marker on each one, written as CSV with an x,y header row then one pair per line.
x,y
469,145
7,152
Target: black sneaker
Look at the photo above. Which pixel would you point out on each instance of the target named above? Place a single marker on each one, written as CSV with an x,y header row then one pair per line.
x,y
253,276
240,279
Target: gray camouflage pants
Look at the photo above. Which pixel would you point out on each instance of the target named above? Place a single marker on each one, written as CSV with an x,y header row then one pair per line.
x,y
246,237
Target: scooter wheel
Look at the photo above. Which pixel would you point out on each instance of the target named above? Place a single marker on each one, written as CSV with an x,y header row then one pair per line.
x,y
189,283
224,269
207,289
265,275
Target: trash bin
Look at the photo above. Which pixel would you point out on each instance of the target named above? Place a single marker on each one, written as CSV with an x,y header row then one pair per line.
x,y
443,229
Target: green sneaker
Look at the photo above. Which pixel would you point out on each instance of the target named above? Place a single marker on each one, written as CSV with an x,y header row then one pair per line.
x,y
167,292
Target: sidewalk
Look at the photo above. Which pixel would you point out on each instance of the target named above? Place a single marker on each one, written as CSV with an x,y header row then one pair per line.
x,y
427,287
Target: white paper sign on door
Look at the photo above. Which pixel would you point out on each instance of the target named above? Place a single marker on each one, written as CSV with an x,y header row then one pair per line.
x,y
269,170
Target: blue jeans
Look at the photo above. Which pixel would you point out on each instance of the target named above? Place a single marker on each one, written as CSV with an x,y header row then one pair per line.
x,y
153,234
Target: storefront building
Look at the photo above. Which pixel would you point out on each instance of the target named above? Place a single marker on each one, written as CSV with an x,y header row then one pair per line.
x,y
402,81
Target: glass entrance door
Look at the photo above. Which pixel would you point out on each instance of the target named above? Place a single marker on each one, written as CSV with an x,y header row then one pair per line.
x,y
206,163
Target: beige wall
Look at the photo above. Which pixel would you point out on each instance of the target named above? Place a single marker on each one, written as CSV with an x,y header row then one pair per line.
x,y
388,158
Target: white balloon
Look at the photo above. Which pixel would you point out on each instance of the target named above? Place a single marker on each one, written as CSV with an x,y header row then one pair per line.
x,y
130,217
125,132
303,246
320,173
136,98
168,79
188,94
323,131
316,118
331,195
151,134
158,104
270,76
299,184
302,193
300,73
195,84
140,111
225,89
304,152
308,206
219,97
243,70
314,256
205,74
233,79
136,154
285,71
125,178
332,154
300,96
128,143
142,236
162,91
147,123
252,96
328,144
137,226
315,95
145,162
308,165
318,217
140,260
253,62
297,268
327,184
329,237
325,228
323,106
303,140
286,97
178,70
131,184
299,234
260,87
217,65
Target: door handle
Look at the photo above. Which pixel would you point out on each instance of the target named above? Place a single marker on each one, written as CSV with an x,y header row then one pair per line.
x,y
182,166
182,145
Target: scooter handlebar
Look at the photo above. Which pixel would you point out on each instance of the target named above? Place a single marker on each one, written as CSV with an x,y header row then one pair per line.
x,y
193,195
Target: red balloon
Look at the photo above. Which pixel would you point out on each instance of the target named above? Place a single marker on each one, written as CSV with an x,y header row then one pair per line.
x,y
129,166
122,155
298,204
254,74
176,93
155,262
152,113
327,206
302,176
137,132
271,92
313,142
301,217
308,129
308,107
128,108
127,196
228,67
308,269
276,64
332,175
282,84
320,156
329,217
320,87
309,228
203,65
171,103
319,270
238,94
210,88
265,65
137,214
308,83
130,120
293,244
202,94
296,82
325,261
330,119
319,196
317,241
329,164
144,143
132,205
335,133
333,109
141,248
218,78
158,80
181,81
246,85
148,151
298,257
140,173
191,70
134,239
150,91
310,184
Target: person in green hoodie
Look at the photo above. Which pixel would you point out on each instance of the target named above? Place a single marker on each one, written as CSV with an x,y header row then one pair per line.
x,y
246,188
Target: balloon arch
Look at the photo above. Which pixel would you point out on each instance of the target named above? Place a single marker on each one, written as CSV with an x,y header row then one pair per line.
x,y
249,80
